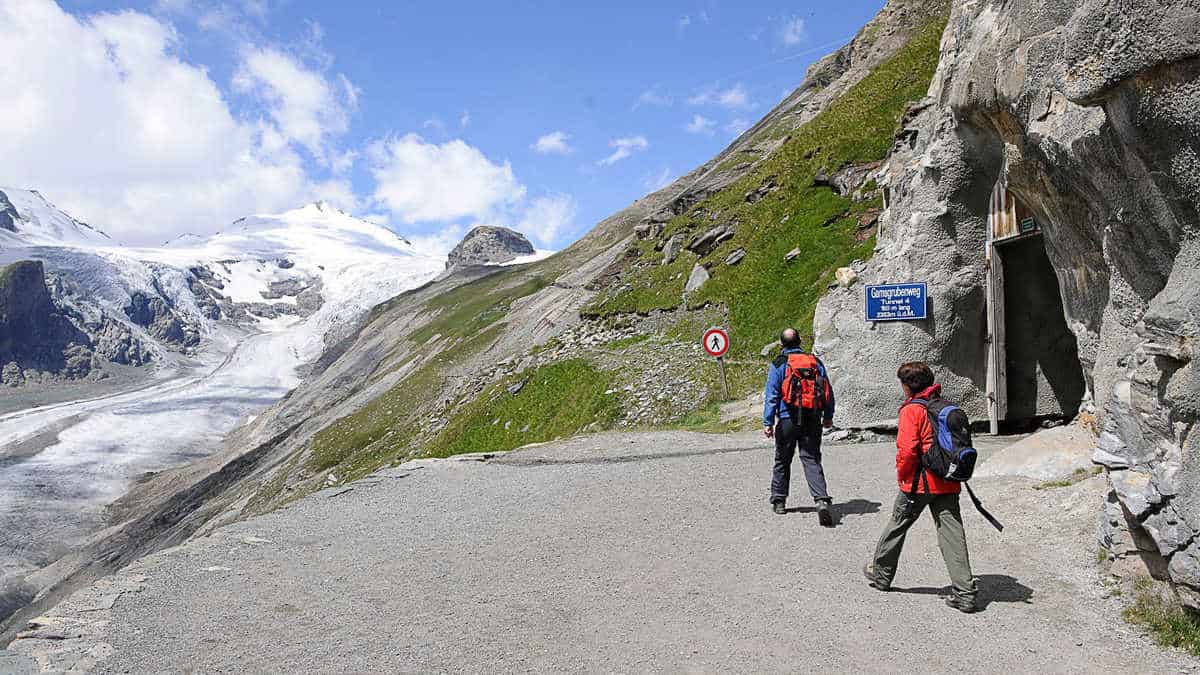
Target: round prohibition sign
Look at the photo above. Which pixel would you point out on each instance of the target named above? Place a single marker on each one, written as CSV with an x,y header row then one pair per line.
x,y
716,342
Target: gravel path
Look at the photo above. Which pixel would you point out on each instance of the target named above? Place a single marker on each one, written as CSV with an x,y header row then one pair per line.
x,y
617,552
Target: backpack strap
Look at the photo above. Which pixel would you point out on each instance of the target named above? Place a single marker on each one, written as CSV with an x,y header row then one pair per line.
x,y
982,511
918,477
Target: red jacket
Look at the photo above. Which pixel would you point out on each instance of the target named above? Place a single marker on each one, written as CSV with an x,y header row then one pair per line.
x,y
916,432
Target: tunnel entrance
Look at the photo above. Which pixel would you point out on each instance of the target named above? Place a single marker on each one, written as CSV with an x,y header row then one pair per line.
x,y
1034,370
1045,378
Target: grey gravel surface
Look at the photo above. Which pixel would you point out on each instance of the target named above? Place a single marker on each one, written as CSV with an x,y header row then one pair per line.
x,y
619,552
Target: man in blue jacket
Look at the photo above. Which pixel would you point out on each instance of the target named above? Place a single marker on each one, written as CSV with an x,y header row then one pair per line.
x,y
798,426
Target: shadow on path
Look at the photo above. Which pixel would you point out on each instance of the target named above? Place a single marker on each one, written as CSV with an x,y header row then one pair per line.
x,y
992,588
854,507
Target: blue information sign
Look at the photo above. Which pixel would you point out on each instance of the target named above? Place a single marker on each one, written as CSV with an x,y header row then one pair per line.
x,y
897,302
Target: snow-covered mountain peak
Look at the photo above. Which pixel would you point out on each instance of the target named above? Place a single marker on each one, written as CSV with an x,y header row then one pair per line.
x,y
316,230
29,219
307,275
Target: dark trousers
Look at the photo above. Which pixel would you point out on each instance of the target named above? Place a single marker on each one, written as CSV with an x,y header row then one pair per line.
x,y
805,436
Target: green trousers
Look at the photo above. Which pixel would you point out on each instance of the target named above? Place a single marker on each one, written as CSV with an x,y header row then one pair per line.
x,y
951,539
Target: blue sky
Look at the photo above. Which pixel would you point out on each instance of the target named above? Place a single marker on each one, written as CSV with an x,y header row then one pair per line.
x,y
427,116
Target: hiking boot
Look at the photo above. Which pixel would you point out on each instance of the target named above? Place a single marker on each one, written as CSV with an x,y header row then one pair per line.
x,y
824,516
778,507
869,573
961,604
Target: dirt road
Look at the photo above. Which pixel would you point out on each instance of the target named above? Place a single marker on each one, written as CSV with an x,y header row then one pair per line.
x,y
617,552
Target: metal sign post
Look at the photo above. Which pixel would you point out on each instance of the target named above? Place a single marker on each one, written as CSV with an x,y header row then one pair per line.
x,y
716,343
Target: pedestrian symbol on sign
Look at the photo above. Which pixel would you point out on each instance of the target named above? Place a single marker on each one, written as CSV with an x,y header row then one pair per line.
x,y
716,343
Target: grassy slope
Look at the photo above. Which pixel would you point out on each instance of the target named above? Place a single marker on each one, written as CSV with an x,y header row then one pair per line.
x,y
764,292
556,401
760,294
386,428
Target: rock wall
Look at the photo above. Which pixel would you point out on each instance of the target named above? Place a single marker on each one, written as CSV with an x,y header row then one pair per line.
x,y
35,338
1090,110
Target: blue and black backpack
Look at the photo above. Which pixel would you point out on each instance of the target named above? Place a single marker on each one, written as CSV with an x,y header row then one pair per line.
x,y
952,454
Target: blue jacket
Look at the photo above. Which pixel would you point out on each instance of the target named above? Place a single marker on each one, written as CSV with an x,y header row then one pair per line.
x,y
774,408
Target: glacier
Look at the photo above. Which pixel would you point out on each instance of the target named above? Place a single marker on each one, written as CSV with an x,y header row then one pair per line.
x,y
265,296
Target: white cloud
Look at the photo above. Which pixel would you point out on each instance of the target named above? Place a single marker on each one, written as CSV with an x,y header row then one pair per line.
x,y
553,143
734,98
440,242
738,126
420,181
793,31
434,123
684,22
548,217
113,126
304,106
657,181
464,120
653,97
701,125
624,148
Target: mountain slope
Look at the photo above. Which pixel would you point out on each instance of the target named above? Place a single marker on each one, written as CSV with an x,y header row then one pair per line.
x,y
600,334
487,359
28,219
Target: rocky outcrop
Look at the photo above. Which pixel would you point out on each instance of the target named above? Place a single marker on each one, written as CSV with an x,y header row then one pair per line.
x,y
1086,112
158,318
8,214
35,337
487,245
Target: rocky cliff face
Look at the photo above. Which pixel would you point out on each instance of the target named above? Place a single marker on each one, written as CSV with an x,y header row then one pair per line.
x,y
487,245
1086,111
35,337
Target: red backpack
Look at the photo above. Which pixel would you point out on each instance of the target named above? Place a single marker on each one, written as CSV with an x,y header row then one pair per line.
x,y
804,388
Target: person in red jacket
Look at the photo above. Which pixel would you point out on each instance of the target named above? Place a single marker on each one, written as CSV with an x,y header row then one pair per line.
x,y
915,436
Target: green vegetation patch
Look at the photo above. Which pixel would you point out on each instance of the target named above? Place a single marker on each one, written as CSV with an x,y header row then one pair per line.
x,y
764,291
707,419
385,429
555,401
470,308
623,343
1169,623
385,419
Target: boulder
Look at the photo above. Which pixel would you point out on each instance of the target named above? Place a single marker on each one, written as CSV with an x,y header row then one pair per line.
x,y
671,249
1047,455
846,276
697,279
735,257
792,255
712,238
488,245
647,230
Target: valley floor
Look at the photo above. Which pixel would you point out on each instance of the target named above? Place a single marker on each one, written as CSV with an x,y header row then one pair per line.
x,y
615,552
